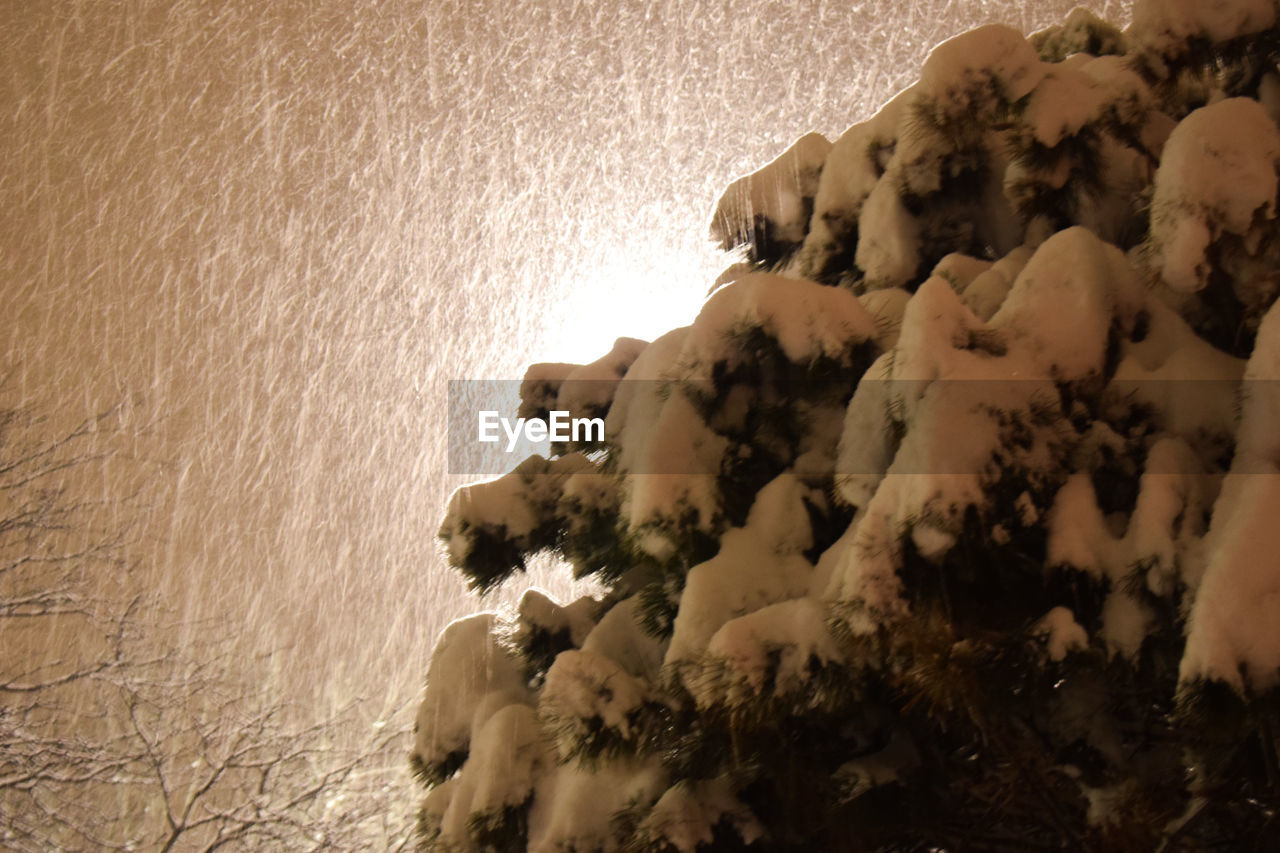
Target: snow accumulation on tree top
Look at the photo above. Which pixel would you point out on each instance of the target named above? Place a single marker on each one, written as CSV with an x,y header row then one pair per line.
x,y
950,522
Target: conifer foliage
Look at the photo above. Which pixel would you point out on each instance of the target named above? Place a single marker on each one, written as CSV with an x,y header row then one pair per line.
x,y
951,521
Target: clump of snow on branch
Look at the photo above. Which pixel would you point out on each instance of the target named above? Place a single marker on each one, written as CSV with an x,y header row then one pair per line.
x,y
758,564
969,74
1217,177
585,390
1233,636
1061,632
808,321
774,204
1167,26
471,677
685,817
773,650
574,807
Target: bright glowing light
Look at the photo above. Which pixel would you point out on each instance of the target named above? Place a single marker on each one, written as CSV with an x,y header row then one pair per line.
x,y
643,300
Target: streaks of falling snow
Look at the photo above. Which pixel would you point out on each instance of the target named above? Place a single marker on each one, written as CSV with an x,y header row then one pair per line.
x,y
275,231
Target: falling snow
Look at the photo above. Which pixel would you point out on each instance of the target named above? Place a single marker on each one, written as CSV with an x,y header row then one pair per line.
x,y
273,233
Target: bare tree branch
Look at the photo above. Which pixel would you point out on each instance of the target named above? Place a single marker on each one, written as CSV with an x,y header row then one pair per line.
x,y
112,740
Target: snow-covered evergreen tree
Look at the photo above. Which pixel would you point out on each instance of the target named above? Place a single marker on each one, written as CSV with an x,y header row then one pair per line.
x,y
952,522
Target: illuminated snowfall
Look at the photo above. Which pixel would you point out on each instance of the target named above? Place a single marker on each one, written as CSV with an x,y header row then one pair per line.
x,y
270,233
988,401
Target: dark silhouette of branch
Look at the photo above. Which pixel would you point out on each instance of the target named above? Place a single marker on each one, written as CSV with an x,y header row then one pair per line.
x,y
110,739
